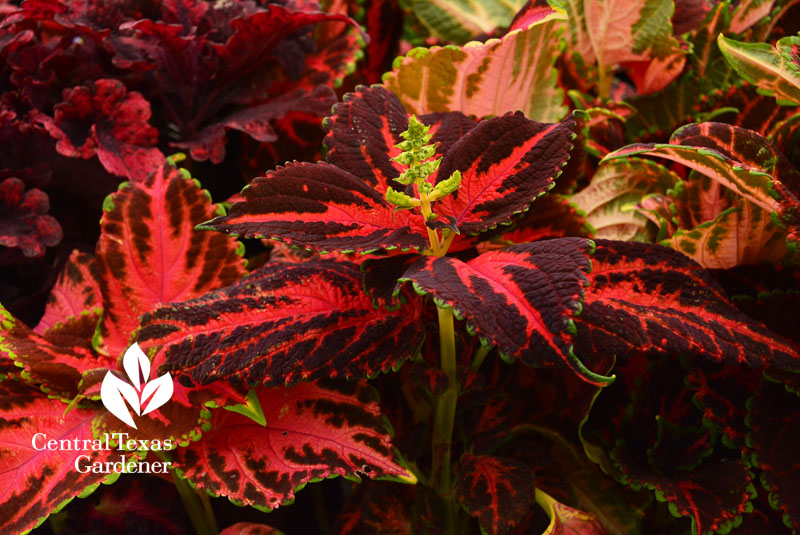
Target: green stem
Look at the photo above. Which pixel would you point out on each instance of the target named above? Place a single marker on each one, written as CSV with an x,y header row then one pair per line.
x,y
194,507
480,355
211,520
445,414
603,81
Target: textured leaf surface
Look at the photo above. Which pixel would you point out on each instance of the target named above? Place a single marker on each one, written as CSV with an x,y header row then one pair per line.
x,y
774,422
75,291
55,364
649,299
774,70
149,252
283,324
322,207
616,186
106,120
461,21
736,158
505,163
24,222
314,430
497,491
521,299
740,235
35,483
512,73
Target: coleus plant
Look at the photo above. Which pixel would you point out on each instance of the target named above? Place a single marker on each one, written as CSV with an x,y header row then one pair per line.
x,y
278,373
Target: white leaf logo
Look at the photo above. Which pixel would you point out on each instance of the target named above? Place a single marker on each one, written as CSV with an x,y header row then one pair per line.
x,y
142,395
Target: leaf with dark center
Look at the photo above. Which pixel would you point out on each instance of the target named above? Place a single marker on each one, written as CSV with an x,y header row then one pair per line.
x,y
499,492
505,164
283,324
319,206
774,422
149,252
74,292
37,481
314,430
649,299
521,299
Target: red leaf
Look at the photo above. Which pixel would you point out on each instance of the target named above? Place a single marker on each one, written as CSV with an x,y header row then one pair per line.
x,y
74,292
149,252
56,367
649,299
505,164
314,430
498,491
322,207
522,298
24,223
283,324
36,482
107,120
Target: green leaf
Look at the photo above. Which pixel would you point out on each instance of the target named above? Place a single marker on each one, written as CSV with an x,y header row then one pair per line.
x,y
774,70
465,19
481,79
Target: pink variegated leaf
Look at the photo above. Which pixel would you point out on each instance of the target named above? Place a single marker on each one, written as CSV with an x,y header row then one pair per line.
x,y
149,252
314,430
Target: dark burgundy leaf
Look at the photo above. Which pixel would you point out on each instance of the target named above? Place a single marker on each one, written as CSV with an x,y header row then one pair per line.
x,y
107,120
649,299
498,491
378,508
24,223
249,528
774,421
283,324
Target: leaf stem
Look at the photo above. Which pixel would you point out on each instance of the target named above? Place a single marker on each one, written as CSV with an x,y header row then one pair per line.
x,y
194,506
445,414
480,355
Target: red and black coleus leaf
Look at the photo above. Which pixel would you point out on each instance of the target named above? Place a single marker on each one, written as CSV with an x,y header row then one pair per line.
x,y
314,430
24,222
36,481
57,366
521,299
380,507
106,120
499,492
646,298
505,163
250,528
283,324
149,252
774,421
